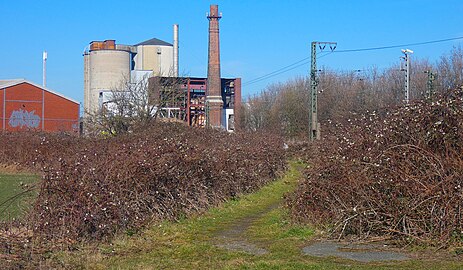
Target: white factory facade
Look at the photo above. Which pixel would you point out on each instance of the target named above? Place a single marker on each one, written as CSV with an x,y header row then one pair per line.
x,y
107,65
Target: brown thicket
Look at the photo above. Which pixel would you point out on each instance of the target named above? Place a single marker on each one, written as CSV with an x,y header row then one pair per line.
x,y
92,189
397,175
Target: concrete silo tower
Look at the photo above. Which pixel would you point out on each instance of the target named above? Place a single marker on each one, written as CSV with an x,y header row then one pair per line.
x,y
106,65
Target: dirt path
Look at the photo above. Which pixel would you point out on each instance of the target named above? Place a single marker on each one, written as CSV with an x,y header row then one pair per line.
x,y
234,237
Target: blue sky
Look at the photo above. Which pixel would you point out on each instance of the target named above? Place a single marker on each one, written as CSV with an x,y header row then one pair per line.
x,y
257,37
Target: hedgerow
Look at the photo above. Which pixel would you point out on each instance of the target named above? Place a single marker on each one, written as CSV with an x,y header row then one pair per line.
x,y
92,189
396,175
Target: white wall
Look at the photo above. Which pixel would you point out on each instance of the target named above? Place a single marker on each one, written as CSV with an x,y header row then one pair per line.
x,y
148,58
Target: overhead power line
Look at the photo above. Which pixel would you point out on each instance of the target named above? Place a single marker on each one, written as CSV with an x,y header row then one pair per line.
x,y
398,46
306,60
295,65
278,70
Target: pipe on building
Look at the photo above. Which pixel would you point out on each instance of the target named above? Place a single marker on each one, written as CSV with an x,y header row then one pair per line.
x,y
175,50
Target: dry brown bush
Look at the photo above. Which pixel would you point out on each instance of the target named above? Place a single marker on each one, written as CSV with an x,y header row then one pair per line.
x,y
398,175
92,189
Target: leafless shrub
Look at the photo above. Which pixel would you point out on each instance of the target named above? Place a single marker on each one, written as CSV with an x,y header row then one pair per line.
x,y
397,175
92,189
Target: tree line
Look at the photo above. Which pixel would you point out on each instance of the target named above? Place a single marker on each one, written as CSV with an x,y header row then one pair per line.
x,y
283,108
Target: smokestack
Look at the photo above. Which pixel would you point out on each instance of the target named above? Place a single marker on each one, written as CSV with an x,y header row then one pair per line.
x,y
175,50
214,101
45,56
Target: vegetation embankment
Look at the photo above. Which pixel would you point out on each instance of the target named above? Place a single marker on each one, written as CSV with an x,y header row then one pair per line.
x,y
195,243
393,172
397,176
200,242
94,188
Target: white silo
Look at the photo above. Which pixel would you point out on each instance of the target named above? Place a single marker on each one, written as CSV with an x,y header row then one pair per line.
x,y
106,66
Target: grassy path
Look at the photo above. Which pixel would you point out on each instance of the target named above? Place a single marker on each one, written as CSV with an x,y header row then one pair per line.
x,y
253,232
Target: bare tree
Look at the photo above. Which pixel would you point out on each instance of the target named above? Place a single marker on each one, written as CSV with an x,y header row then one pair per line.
x,y
256,111
292,108
280,108
133,105
451,69
283,107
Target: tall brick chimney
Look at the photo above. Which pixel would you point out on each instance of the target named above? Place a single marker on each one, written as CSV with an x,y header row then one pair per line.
x,y
214,101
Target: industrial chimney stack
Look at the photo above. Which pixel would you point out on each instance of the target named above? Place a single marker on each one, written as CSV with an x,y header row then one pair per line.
x,y
214,101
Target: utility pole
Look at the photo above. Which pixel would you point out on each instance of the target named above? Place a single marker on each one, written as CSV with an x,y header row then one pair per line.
x,y
406,59
44,69
44,58
314,125
430,90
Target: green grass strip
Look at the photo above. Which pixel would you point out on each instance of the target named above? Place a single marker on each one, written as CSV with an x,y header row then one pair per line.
x,y
15,197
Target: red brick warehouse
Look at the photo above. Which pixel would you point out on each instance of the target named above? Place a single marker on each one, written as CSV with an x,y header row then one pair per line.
x,y
27,106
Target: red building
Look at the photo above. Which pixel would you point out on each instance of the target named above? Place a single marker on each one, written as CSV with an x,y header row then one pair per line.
x,y
27,106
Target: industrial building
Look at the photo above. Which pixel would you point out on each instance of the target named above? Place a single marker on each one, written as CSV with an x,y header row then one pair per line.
x,y
211,101
189,104
107,65
25,105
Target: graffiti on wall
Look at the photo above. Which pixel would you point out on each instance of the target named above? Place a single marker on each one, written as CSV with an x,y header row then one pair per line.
x,y
22,118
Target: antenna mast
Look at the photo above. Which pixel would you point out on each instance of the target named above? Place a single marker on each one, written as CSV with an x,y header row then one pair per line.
x,y
45,56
